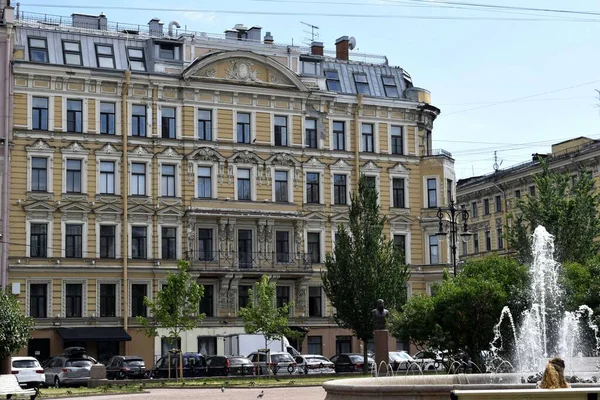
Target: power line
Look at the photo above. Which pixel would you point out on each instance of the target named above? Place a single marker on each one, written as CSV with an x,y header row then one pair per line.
x,y
516,101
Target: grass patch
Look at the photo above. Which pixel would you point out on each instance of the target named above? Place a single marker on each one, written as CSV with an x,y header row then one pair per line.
x,y
53,393
234,382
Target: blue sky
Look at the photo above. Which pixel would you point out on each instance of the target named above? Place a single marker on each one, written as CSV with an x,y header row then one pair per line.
x,y
465,63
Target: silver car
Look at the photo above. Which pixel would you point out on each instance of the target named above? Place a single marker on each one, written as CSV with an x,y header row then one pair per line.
x,y
64,370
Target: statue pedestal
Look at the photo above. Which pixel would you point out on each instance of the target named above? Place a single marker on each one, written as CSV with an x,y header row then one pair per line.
x,y
382,355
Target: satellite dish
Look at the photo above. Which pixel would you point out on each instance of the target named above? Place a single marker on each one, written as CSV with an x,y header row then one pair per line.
x,y
352,43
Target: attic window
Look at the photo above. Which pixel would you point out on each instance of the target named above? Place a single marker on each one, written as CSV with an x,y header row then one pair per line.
x,y
362,84
168,51
389,85
105,56
333,81
38,50
136,59
309,67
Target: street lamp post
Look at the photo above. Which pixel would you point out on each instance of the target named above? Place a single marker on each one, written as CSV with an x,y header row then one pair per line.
x,y
455,214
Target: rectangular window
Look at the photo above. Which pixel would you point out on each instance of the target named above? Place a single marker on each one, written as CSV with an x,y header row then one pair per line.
x,y
38,50
282,246
389,85
107,118
362,84
245,248
397,140
169,243
500,238
107,177
72,52
243,128
138,292
168,51
431,193
74,116
105,56
309,67
449,191
73,300
138,179
282,295
532,191
434,255
205,244
243,296
281,186
400,243
168,180
465,248
137,61
367,138
138,242
518,194
204,182
167,120
280,130
73,176
39,113
333,81
474,210
476,243
310,133
204,125
486,206
107,241
312,188
38,300
498,203
488,241
339,190
207,303
138,120
315,302
314,247
39,174
108,300
398,192
339,135
371,181
38,240
73,241
315,345
243,184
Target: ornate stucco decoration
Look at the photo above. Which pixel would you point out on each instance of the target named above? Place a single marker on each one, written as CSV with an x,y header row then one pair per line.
x,y
206,154
208,73
107,149
74,148
370,167
284,160
341,165
399,168
314,163
141,151
39,145
246,157
242,70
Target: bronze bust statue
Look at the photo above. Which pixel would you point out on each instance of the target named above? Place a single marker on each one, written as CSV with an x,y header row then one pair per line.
x,y
380,315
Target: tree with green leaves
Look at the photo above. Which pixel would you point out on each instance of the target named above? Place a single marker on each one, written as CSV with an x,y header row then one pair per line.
x,y
15,326
567,206
462,314
263,316
176,307
365,266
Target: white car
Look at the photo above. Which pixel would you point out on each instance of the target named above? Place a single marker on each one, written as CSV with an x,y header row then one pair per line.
x,y
28,371
314,364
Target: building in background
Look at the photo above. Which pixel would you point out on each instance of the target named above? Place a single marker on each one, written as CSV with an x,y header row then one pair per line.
x,y
491,198
135,146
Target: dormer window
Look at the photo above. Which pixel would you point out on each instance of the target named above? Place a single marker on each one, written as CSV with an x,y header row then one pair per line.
x,y
168,51
105,56
389,85
137,61
72,52
38,50
333,81
362,84
309,67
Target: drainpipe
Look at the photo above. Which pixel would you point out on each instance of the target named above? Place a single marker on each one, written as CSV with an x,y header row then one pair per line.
x,y
504,215
8,95
357,134
125,194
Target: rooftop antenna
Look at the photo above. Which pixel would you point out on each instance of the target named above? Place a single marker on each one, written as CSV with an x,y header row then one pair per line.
x,y
313,33
496,165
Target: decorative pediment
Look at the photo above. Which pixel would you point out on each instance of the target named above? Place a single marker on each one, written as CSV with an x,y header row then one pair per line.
x,y
40,145
141,209
39,206
206,154
340,218
170,211
74,147
242,67
107,149
169,152
75,208
245,157
316,216
399,168
370,166
108,209
341,165
141,151
283,159
400,219
314,163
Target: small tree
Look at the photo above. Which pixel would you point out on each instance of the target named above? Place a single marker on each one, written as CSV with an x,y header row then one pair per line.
x,y
176,307
264,316
364,267
15,327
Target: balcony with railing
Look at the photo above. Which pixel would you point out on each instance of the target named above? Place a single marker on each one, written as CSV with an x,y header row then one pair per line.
x,y
225,261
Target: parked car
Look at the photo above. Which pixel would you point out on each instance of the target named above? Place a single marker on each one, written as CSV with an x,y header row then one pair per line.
x,y
70,368
402,361
28,371
314,364
351,362
429,360
194,365
126,367
229,365
280,361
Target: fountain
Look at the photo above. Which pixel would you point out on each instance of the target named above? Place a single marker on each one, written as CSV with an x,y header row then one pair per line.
x,y
545,331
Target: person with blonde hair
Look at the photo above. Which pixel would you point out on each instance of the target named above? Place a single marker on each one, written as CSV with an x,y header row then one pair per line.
x,y
554,375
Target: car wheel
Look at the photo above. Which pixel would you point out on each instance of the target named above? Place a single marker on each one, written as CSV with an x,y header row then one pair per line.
x,y
121,375
291,369
56,382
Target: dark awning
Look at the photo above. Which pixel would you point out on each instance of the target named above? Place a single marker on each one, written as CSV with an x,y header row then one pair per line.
x,y
96,333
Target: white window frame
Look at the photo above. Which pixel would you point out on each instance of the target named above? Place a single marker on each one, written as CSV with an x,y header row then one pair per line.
x,y
348,175
244,227
404,139
428,249
213,123
428,287
48,283
117,161
215,237
149,116
347,137
375,125
376,175
84,170
84,236
177,164
118,228
213,178
49,155
84,114
253,190
215,284
118,107
149,292
407,238
290,182
323,301
178,122
292,293
426,193
321,172
320,140
321,232
117,283
252,127
404,176
292,242
289,122
49,239
149,255
148,163
178,234
50,98
84,297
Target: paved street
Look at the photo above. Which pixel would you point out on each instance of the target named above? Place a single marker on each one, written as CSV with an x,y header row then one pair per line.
x,y
287,393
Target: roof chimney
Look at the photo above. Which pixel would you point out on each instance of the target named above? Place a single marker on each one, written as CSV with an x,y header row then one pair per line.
x,y
155,27
102,22
342,48
316,48
268,39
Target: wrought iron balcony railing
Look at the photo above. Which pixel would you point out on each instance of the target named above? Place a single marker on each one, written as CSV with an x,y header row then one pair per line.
x,y
247,261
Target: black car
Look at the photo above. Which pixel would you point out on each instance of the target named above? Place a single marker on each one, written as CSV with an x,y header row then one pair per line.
x,y
232,365
194,365
126,367
350,362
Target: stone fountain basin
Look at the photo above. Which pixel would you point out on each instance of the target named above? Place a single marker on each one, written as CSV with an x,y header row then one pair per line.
x,y
424,387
